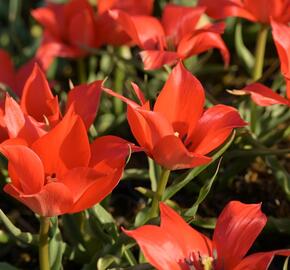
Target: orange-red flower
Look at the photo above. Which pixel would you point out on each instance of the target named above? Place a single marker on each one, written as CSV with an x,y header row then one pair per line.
x,y
16,79
61,172
39,110
175,36
105,24
261,94
254,10
68,28
175,245
178,133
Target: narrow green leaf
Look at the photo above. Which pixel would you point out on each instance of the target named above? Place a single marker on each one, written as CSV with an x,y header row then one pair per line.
x,y
184,179
285,266
7,266
104,262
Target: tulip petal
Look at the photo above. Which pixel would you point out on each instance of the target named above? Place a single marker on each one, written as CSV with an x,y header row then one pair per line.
x,y
261,260
188,239
171,153
86,100
181,100
156,59
178,20
7,71
236,230
37,99
159,247
28,173
54,199
214,127
58,149
261,95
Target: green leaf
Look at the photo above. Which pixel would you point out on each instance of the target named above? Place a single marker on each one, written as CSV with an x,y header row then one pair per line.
x,y
7,266
104,262
184,179
203,193
24,237
242,51
280,174
285,266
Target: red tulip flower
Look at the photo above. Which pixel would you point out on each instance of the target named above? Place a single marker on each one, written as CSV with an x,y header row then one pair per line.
x,y
254,10
176,36
39,110
175,245
16,79
178,133
105,24
68,28
261,94
61,172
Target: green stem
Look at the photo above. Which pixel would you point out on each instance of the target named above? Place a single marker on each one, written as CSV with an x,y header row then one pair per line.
x,y
258,68
43,243
81,70
161,185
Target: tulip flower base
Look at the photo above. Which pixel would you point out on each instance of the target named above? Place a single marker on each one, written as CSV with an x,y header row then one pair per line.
x,y
150,134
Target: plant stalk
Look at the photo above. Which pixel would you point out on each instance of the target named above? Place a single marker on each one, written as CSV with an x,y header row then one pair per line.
x,y
43,243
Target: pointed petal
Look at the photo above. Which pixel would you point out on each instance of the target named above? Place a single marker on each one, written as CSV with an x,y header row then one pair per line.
x,y
261,260
180,20
171,153
7,71
86,100
27,168
159,247
54,199
262,95
139,93
145,31
214,128
181,100
204,40
156,59
188,239
236,230
19,125
37,99
58,149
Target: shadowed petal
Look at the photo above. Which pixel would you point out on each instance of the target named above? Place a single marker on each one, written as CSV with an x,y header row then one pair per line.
x,y
7,71
236,230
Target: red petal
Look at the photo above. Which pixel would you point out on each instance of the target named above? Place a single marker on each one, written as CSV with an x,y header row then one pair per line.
x,y
281,37
139,93
7,71
145,31
54,199
171,153
263,95
157,59
180,20
213,129
260,261
28,174
159,247
58,149
236,230
181,100
37,99
226,8
188,239
86,99
19,125
204,40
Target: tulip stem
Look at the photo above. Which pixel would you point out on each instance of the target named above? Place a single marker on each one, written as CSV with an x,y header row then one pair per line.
x,y
258,68
161,185
81,70
43,243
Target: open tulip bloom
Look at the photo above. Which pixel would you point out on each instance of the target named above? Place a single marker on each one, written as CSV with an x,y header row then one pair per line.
x,y
61,172
178,133
174,245
176,36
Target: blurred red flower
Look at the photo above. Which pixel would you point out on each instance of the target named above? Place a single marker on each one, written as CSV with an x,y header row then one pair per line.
x,y
254,10
176,36
175,245
61,172
178,133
